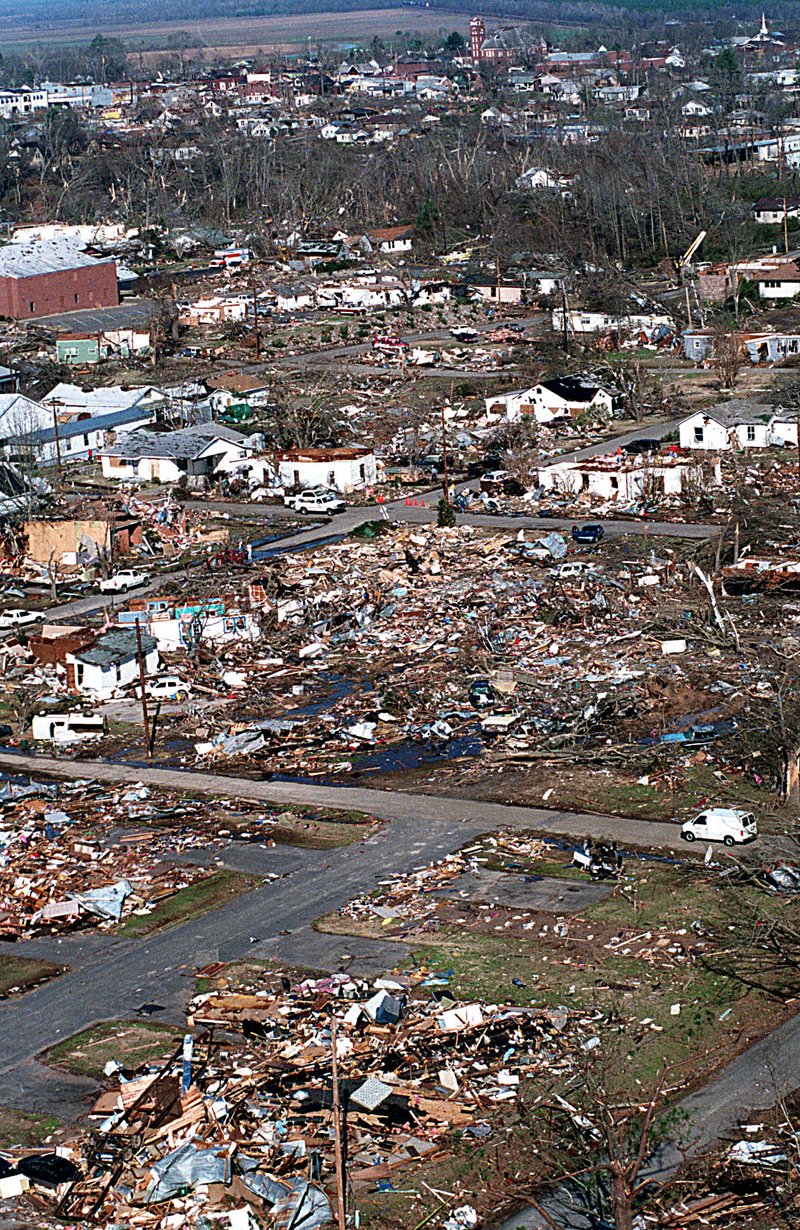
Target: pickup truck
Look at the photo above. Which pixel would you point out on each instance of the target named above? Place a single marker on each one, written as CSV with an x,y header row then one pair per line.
x,y
18,617
122,581
587,533
325,502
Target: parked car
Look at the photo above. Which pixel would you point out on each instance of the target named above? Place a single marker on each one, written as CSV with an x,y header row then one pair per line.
x,y
587,533
642,445
168,687
18,617
123,580
462,333
325,502
500,481
725,824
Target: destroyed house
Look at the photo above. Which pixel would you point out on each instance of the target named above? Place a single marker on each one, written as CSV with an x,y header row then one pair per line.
x,y
565,397
627,479
55,641
342,469
82,540
184,626
111,663
81,439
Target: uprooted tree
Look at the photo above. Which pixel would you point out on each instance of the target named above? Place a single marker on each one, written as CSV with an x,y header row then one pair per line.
x,y
594,1144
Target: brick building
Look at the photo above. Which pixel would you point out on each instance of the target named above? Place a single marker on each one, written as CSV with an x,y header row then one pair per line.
x,y
42,279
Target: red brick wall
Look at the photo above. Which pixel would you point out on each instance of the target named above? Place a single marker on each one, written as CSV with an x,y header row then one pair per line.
x,y
51,293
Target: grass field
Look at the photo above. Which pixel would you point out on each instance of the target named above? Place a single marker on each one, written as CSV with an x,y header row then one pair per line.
x,y
19,973
244,36
131,1042
209,894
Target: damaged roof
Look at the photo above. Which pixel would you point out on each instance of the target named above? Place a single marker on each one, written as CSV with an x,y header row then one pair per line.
x,y
115,646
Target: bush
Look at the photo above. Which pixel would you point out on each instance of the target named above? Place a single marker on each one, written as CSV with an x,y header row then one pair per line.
x,y
343,331
445,514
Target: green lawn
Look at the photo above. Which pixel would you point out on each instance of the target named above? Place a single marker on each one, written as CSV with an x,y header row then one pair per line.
x,y
208,894
131,1042
19,973
19,1128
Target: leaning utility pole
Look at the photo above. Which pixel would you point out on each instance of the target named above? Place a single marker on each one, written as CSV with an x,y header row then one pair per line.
x,y
341,1211
445,479
56,403
145,718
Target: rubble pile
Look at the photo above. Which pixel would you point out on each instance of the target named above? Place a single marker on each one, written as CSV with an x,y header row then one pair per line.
x,y
74,855
395,633
236,1128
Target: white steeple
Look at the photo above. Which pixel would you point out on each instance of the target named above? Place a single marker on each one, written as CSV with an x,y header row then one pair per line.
x,y
764,32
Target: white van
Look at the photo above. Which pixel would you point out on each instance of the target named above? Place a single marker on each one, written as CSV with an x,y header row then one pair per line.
x,y
726,824
67,727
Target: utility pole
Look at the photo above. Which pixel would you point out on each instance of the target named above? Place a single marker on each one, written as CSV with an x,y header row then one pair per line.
x,y
444,460
57,403
255,321
145,718
337,1132
565,315
785,226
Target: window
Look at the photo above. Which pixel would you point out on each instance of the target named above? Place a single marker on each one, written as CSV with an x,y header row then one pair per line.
x,y
32,306
85,441
77,297
751,433
698,435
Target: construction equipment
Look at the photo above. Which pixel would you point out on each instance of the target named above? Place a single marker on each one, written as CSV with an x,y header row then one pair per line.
x,y
682,263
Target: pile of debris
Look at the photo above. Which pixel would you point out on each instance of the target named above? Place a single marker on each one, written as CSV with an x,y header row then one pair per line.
x,y
237,1127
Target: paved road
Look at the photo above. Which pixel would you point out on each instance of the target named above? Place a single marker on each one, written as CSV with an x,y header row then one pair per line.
x,y
433,809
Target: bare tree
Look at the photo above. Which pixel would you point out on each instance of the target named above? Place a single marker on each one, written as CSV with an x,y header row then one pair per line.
x,y
726,357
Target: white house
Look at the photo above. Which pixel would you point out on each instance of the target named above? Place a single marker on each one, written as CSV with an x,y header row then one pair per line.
x,y
782,282
579,321
22,102
392,239
342,469
770,211
698,344
20,417
30,429
566,397
202,451
626,479
110,663
213,311
732,424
